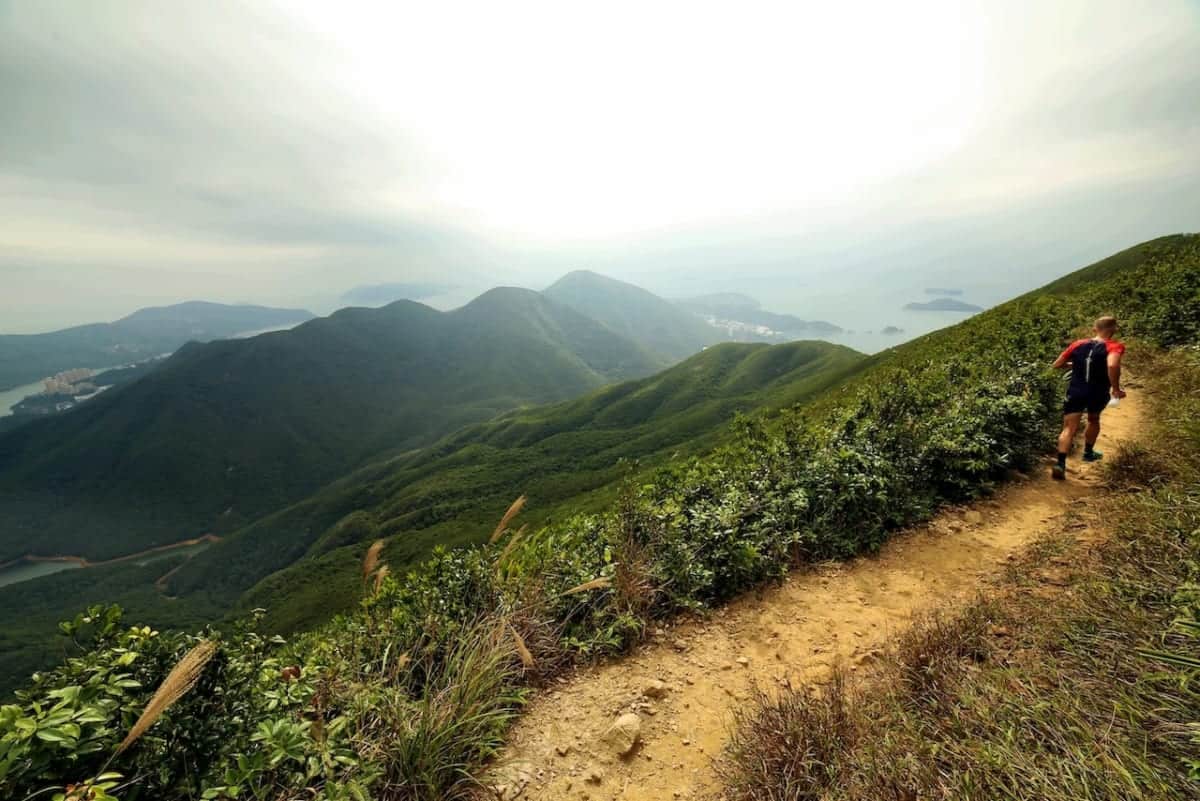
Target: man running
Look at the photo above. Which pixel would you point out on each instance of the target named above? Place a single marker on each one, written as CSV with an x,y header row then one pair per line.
x,y
1095,375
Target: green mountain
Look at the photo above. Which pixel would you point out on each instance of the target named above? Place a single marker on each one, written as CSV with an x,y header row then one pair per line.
x,y
451,492
301,561
226,432
668,331
26,358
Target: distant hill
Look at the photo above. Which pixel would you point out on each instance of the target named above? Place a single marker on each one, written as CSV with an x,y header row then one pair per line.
x,y
727,309
944,304
228,431
383,294
26,358
658,325
449,493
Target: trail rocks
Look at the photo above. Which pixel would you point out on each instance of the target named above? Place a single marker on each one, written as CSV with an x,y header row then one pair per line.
x,y
620,737
656,689
511,779
972,517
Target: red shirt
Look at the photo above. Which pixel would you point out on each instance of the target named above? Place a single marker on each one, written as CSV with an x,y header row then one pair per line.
x,y
1112,345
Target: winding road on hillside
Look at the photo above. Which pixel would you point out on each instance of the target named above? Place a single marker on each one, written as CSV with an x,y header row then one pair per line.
x,y
687,681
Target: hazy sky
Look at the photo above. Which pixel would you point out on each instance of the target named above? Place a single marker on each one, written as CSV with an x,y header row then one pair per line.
x,y
282,153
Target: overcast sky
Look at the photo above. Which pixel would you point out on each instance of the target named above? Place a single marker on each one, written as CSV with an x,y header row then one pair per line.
x,y
282,153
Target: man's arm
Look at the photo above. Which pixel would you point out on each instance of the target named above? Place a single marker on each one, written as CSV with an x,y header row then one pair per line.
x,y
1114,373
1064,359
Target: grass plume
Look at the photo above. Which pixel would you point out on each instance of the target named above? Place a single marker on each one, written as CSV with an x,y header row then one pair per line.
x,y
371,560
595,584
177,683
513,510
512,543
380,575
522,650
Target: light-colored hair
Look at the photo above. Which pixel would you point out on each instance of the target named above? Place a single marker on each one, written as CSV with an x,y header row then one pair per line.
x,y
1106,324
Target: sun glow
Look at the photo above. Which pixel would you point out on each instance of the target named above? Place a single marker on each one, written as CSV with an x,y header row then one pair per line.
x,y
545,121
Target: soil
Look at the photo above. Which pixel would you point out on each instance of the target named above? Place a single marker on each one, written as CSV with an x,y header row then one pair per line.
x,y
685,683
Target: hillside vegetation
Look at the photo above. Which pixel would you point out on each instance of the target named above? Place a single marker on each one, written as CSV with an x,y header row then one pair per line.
x,y
301,563
226,432
448,494
26,358
408,695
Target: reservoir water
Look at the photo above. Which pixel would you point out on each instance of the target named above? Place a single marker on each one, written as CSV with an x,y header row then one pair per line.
x,y
25,570
11,397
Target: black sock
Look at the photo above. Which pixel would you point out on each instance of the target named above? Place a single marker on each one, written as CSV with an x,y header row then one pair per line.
x,y
1088,448
1062,461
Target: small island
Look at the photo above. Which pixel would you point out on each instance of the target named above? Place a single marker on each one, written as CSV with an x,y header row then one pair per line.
x,y
891,330
943,304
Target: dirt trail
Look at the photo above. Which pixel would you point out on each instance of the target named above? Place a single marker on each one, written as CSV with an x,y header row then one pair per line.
x,y
793,632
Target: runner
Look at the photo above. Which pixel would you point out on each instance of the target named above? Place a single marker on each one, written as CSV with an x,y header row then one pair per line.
x,y
1095,366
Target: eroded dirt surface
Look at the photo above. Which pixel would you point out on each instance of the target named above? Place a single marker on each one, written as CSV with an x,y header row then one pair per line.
x,y
685,683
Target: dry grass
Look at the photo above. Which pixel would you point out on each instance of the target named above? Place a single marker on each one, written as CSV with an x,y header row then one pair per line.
x,y
527,660
602,583
791,747
429,745
382,573
929,654
177,683
513,510
1134,466
371,560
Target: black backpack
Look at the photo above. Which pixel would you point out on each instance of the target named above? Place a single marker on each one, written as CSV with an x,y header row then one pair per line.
x,y
1089,368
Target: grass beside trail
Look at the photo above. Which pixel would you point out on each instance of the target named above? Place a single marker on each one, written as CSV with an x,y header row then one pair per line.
x,y
1045,691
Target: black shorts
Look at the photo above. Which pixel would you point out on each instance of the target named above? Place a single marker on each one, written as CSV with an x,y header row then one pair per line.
x,y
1092,404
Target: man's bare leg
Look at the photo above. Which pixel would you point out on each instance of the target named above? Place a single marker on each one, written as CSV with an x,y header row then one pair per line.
x,y
1090,435
1070,426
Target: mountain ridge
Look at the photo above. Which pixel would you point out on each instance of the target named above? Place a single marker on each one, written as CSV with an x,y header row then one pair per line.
x,y
666,330
145,333
225,431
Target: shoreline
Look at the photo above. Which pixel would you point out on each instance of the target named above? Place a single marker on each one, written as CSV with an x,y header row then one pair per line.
x,y
84,562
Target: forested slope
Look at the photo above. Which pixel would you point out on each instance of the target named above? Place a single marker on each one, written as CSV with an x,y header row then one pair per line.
x,y
226,432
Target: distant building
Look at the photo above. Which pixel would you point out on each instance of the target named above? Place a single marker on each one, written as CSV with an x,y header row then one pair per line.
x,y
70,382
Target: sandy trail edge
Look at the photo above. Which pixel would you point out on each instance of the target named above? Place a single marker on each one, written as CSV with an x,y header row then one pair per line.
x,y
795,632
